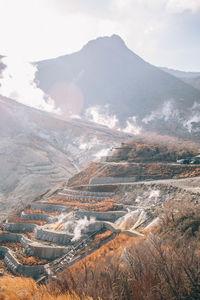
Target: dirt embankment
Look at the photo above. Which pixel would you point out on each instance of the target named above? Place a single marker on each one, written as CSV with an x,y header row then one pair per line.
x,y
140,171
136,151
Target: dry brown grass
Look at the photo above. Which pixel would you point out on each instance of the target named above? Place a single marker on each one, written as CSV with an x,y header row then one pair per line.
x,y
38,211
161,266
17,288
105,205
17,219
32,260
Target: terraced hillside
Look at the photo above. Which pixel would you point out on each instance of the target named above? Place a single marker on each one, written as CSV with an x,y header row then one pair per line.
x,y
138,161
52,234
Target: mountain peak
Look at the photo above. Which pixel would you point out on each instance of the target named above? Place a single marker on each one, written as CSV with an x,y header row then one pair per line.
x,y
106,41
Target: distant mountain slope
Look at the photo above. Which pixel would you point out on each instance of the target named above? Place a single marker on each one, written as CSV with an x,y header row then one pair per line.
x,y
192,78
39,151
195,82
2,66
106,72
181,74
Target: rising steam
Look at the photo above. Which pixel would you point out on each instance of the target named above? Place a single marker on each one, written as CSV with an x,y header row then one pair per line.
x,y
131,126
165,112
17,82
101,115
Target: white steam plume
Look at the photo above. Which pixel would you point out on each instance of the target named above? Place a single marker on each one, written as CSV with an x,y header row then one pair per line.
x,y
102,153
165,112
17,82
101,115
131,127
194,118
81,225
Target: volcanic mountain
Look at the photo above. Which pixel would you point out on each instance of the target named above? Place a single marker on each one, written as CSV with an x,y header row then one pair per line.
x,y
107,76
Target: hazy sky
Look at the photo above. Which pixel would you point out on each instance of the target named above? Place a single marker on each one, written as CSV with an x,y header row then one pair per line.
x,y
163,32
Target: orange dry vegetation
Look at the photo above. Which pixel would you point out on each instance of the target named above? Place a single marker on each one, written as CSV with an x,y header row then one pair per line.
x,y
17,219
140,171
108,252
106,205
17,288
38,211
31,260
12,246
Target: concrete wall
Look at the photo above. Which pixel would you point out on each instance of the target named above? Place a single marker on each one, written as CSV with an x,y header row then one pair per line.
x,y
38,216
110,216
19,269
42,251
83,197
49,207
88,193
19,227
52,236
110,180
10,237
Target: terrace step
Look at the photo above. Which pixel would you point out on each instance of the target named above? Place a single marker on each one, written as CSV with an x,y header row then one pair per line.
x,y
80,192
51,207
38,216
82,197
19,227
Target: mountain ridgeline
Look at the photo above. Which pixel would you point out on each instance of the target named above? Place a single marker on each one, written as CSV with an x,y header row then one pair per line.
x,y
105,73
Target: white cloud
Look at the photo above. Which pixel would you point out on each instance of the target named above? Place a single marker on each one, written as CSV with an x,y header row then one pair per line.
x,y
39,29
179,6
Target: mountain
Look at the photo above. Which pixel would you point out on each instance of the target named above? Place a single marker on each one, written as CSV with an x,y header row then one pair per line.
x,y
107,76
192,78
39,151
181,74
2,66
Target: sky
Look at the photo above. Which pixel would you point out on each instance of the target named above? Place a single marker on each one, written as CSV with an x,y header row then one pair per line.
x,y
163,32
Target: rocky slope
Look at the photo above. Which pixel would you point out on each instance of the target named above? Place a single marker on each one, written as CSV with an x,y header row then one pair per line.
x,y
39,151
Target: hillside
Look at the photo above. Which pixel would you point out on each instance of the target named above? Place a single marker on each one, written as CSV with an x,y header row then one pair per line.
x,y
105,73
192,78
140,161
39,151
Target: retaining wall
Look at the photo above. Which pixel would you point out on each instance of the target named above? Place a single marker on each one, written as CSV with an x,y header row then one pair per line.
x,y
111,180
83,197
10,237
42,251
17,268
110,216
19,227
49,207
38,216
88,193
53,236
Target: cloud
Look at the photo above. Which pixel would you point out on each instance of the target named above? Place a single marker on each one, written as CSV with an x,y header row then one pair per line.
x,y
35,29
17,82
179,6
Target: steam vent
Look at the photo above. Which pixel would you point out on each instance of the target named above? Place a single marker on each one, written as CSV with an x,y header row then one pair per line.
x,y
55,233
